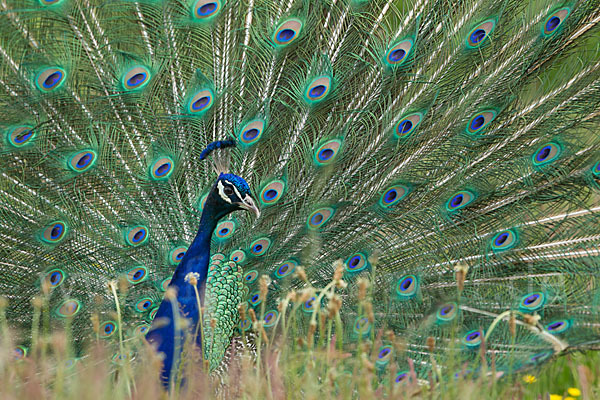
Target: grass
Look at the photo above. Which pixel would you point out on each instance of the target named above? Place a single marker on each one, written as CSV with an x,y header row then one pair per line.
x,y
292,363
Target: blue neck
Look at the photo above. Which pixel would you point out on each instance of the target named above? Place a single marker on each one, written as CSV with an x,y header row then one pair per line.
x,y
197,256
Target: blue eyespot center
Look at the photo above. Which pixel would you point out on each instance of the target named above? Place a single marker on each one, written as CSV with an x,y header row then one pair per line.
x,y
309,302
397,55
477,122
284,268
384,352
137,275
136,79
457,200
207,9
501,239
406,283
556,325
250,134
391,196
317,91
543,153
200,103
354,261
255,298
23,137
52,79
326,154
552,23
446,310
285,35
473,336
258,248
316,219
401,377
531,299
270,194
180,255
477,36
163,169
85,160
56,231
405,126
139,236
224,231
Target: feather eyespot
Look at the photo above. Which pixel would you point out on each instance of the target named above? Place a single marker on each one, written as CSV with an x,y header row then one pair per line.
x,y
107,329
356,263
20,352
407,287
50,2
384,355
393,195
446,312
254,299
532,302
54,232
20,136
398,53
136,235
135,78
152,313
82,161
407,125
245,324
546,154
480,121
559,326
68,308
554,21
137,275
50,79
162,168
540,357
200,102
260,246
287,32
504,240
309,305
318,218
402,376
204,9
251,276
144,304
327,152
177,254
318,89
272,192
460,200
141,329
362,326
480,33
238,256
224,230
596,169
164,285
251,132
473,338
270,318
54,278
286,269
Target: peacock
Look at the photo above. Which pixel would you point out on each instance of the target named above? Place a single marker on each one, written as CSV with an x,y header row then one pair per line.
x,y
169,166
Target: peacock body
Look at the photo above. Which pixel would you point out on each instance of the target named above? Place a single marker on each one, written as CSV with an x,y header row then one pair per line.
x,y
448,150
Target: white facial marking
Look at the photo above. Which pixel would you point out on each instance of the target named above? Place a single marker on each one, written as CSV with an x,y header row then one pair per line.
x,y
222,191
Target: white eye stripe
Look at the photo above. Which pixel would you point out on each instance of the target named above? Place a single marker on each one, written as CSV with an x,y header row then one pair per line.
x,y
222,191
234,189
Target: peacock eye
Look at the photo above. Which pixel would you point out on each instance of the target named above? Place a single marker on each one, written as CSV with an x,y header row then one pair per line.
x,y
228,190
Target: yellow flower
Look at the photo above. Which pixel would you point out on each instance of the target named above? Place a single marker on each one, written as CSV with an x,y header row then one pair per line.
x,y
529,379
574,392
556,397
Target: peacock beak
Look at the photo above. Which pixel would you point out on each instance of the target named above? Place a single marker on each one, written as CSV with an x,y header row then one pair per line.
x,y
248,204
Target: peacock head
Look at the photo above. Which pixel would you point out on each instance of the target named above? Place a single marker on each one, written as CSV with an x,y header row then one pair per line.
x,y
230,193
